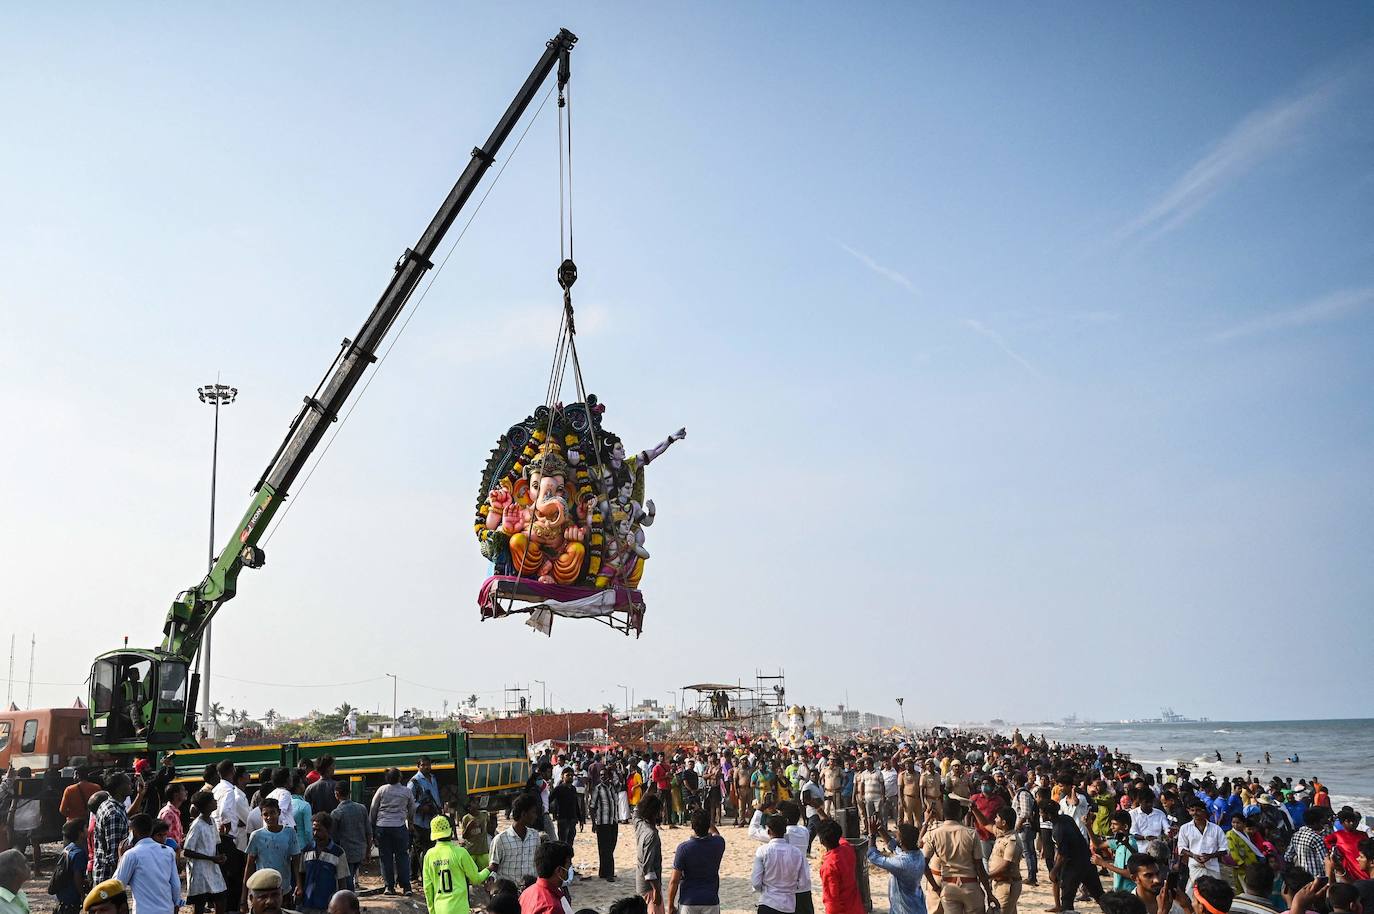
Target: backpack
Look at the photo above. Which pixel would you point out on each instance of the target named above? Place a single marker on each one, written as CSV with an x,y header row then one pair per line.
x,y
62,875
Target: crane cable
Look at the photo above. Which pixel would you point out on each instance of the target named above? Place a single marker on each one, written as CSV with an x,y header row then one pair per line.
x,y
566,343
405,323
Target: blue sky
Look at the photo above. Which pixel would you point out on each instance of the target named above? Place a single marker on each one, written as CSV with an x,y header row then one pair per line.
x,y
1004,336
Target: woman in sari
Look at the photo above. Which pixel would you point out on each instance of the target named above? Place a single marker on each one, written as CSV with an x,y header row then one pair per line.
x,y
675,789
634,786
1244,853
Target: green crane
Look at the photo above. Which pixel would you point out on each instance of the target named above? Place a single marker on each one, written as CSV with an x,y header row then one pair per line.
x,y
143,701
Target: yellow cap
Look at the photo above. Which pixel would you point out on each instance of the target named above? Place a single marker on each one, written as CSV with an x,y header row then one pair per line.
x,y
439,828
109,890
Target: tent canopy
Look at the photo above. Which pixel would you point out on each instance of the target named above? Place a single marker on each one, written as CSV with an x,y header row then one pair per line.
x,y
714,687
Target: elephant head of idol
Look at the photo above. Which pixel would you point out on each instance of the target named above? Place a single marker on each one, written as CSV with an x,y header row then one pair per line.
x,y
548,474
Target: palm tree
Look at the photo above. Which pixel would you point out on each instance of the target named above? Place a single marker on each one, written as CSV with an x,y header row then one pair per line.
x,y
243,717
608,708
472,700
343,709
216,710
269,717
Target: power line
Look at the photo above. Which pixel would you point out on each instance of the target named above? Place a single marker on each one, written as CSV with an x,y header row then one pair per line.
x,y
299,685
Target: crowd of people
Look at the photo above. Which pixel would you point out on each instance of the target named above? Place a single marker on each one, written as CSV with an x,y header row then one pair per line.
x,y
970,817
961,822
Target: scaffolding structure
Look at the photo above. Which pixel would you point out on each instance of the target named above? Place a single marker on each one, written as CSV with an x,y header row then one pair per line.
x,y
720,707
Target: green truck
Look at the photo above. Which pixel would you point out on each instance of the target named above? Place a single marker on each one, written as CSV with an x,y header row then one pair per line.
x,y
495,766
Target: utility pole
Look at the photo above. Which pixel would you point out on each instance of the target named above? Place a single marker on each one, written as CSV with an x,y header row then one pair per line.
x,y
627,696
9,690
33,648
395,720
900,703
544,691
215,395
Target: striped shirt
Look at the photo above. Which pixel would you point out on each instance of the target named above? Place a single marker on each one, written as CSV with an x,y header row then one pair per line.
x,y
323,870
604,805
1024,805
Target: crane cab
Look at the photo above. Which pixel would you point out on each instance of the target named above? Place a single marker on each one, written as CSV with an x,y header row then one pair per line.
x,y
141,701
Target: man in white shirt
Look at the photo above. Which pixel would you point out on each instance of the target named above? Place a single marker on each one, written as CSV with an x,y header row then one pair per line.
x,y
780,872
1076,806
230,805
797,835
758,822
1147,822
891,811
281,792
1201,842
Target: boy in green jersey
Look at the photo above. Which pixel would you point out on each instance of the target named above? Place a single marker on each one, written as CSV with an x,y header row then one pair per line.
x,y
448,871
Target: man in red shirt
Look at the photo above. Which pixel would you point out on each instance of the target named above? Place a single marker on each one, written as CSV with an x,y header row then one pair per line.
x,y
552,861
839,889
662,779
660,776
983,805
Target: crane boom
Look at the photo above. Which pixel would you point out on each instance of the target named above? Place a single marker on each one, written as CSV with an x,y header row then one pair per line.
x,y
193,609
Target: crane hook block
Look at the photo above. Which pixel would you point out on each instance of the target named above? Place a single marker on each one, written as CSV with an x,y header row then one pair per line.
x,y
567,274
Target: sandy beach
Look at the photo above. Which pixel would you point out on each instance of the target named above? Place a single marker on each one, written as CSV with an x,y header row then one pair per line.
x,y
736,896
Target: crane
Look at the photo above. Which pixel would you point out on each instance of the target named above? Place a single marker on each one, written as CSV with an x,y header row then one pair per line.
x,y
143,700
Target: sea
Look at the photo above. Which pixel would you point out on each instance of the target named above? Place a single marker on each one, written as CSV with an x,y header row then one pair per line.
x,y
1339,753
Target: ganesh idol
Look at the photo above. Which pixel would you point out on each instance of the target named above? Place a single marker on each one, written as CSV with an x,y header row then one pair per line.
x,y
545,522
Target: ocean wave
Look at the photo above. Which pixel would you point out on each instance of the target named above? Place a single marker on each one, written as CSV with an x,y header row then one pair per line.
x,y
1221,731
1363,805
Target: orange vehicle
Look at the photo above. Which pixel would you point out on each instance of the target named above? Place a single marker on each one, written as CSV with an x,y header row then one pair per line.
x,y
43,738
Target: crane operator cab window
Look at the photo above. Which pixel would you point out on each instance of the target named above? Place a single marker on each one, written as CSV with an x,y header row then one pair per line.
x,y
171,687
122,695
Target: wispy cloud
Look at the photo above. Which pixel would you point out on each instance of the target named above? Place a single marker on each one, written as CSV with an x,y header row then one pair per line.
x,y
1317,311
1256,137
1000,342
886,272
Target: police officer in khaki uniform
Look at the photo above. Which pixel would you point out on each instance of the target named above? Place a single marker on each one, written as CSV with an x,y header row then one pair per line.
x,y
964,885
264,893
909,788
932,793
957,780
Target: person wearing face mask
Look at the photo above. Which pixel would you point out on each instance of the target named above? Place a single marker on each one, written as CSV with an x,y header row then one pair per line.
x,y
552,864
982,808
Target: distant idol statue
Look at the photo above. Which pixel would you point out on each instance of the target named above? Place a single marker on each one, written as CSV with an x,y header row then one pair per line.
x,y
561,515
